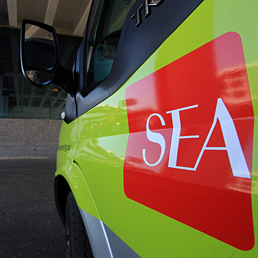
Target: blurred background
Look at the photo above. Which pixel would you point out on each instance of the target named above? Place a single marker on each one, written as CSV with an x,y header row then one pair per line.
x,y
22,105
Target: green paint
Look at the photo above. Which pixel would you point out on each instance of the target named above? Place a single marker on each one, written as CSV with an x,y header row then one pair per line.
x,y
103,135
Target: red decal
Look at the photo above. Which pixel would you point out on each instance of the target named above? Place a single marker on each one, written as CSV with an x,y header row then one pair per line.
x,y
189,154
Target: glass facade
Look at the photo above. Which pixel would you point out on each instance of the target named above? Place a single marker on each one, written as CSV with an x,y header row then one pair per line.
x,y
18,98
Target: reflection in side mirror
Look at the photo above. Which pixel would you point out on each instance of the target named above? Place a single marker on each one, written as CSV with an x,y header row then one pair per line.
x,y
40,77
40,57
39,53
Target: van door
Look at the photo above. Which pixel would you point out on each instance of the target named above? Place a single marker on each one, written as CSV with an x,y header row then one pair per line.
x,y
121,36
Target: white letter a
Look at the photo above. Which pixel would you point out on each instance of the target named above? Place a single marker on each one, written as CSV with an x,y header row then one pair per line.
x,y
233,147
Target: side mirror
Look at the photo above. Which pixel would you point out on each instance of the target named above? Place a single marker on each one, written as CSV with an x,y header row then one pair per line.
x,y
39,53
39,56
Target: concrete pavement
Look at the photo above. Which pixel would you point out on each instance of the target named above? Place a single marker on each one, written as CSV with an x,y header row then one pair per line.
x,y
29,223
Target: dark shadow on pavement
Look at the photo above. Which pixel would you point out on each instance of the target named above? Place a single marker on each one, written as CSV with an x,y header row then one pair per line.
x,y
29,223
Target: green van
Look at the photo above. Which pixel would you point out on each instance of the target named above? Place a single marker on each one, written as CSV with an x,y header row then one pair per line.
x,y
158,150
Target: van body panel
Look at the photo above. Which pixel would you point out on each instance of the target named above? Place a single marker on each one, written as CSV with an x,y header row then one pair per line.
x,y
159,205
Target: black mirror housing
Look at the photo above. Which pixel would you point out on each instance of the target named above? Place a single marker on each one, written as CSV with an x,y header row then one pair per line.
x,y
39,55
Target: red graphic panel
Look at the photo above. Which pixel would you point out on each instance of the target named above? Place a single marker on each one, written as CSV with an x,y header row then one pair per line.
x,y
189,154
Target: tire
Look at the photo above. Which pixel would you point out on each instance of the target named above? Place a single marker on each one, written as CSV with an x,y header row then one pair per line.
x,y
77,241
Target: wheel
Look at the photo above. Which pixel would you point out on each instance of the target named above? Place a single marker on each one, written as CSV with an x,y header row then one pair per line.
x,y
77,242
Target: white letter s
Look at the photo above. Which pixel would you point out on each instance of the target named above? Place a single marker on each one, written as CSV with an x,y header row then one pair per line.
x,y
155,137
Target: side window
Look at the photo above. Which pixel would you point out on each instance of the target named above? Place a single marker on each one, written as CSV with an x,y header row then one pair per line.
x,y
104,30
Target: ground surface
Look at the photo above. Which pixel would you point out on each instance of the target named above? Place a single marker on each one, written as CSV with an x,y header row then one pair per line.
x,y
29,223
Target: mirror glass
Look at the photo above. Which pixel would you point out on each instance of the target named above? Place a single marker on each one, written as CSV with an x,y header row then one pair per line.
x,y
40,55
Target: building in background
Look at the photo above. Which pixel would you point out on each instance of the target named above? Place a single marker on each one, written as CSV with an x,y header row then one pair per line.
x,y
19,99
23,105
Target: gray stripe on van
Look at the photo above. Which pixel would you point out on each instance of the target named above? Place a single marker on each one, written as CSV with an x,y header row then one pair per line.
x,y
104,242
